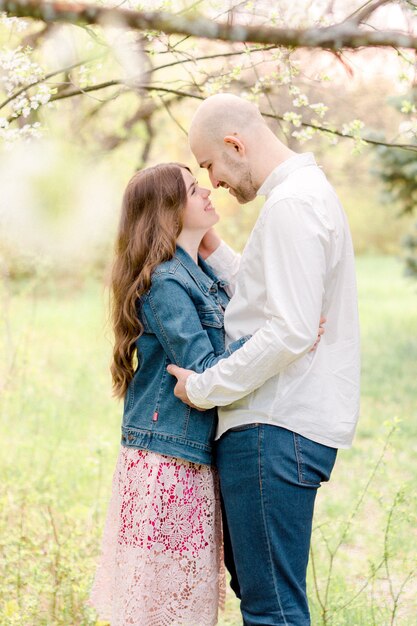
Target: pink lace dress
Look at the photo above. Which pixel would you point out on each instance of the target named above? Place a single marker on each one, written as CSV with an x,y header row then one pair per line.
x,y
161,561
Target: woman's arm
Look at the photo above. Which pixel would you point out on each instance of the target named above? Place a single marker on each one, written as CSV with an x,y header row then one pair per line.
x,y
222,258
209,244
170,313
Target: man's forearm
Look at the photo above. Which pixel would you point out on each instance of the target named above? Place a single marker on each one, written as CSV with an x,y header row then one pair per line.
x,y
263,356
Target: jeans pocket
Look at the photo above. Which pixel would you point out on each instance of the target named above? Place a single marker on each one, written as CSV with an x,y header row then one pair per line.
x,y
315,461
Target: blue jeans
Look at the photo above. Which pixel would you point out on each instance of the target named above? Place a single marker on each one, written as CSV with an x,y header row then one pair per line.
x,y
269,478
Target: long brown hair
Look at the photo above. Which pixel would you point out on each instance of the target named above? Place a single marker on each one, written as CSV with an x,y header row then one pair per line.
x,y
150,222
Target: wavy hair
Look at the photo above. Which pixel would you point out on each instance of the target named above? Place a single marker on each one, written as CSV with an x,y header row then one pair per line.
x,y
150,222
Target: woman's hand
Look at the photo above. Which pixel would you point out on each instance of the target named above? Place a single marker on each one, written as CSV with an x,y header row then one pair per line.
x,y
319,334
210,242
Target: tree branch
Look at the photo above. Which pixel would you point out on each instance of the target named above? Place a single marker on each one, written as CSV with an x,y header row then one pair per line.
x,y
143,114
184,94
166,105
63,70
219,55
148,143
365,11
80,90
342,35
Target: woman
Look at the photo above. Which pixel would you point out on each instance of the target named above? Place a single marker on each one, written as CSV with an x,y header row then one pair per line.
x,y
161,563
161,558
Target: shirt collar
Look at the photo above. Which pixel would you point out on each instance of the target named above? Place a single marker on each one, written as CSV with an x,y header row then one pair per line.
x,y
202,273
280,173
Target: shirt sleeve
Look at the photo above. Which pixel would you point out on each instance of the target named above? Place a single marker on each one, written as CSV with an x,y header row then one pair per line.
x,y
225,263
295,242
175,322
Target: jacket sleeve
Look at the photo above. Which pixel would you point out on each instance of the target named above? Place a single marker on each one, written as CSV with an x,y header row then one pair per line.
x,y
295,244
171,314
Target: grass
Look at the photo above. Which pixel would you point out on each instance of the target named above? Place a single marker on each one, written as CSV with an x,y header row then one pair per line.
x,y
60,437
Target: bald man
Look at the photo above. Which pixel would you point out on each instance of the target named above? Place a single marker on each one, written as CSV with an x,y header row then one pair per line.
x,y
284,409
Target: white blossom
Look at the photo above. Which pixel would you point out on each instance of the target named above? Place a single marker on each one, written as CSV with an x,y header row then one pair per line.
x,y
300,101
319,108
20,74
303,135
293,118
17,23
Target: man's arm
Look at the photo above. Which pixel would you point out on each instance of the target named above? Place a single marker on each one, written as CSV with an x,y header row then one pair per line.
x,y
294,244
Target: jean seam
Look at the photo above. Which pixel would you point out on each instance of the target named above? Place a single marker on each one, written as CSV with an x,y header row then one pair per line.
x,y
260,466
131,400
298,457
300,463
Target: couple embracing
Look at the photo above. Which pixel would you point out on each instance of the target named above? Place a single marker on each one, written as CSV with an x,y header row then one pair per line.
x,y
236,399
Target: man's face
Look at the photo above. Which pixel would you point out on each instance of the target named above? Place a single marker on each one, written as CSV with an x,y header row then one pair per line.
x,y
226,170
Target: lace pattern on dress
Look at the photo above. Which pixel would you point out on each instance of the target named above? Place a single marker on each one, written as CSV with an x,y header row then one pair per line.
x,y
161,561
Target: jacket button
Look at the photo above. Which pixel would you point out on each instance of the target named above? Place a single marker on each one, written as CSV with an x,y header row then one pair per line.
x,y
130,437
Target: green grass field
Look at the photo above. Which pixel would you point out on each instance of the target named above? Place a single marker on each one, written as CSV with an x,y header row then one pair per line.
x,y
60,437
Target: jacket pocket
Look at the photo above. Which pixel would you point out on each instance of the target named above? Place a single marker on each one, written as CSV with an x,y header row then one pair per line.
x,y
209,316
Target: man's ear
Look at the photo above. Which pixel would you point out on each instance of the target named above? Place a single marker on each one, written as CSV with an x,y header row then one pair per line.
x,y
236,144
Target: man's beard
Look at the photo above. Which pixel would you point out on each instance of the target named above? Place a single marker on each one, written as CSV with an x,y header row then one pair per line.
x,y
244,190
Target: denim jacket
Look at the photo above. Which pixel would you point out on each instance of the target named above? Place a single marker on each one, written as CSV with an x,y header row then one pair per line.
x,y
182,315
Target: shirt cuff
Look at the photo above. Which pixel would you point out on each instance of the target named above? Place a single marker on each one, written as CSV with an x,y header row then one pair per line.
x,y
224,256
191,387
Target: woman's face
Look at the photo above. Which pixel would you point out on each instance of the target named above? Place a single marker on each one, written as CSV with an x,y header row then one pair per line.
x,y
199,214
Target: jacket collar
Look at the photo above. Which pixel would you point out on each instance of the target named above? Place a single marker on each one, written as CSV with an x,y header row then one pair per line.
x,y
201,273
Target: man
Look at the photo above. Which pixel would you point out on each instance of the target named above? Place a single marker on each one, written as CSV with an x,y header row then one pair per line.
x,y
284,409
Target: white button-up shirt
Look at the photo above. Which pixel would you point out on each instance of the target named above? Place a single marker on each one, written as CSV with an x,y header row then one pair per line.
x,y
298,265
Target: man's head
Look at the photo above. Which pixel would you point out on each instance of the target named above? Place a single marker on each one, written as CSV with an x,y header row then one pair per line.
x,y
225,137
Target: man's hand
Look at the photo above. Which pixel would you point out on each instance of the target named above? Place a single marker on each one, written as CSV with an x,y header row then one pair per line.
x,y
323,320
181,375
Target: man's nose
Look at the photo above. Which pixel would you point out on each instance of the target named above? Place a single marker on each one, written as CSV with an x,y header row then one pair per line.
x,y
214,181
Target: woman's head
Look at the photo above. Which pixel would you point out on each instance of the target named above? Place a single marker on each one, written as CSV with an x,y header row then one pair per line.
x,y
159,204
198,215
152,209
